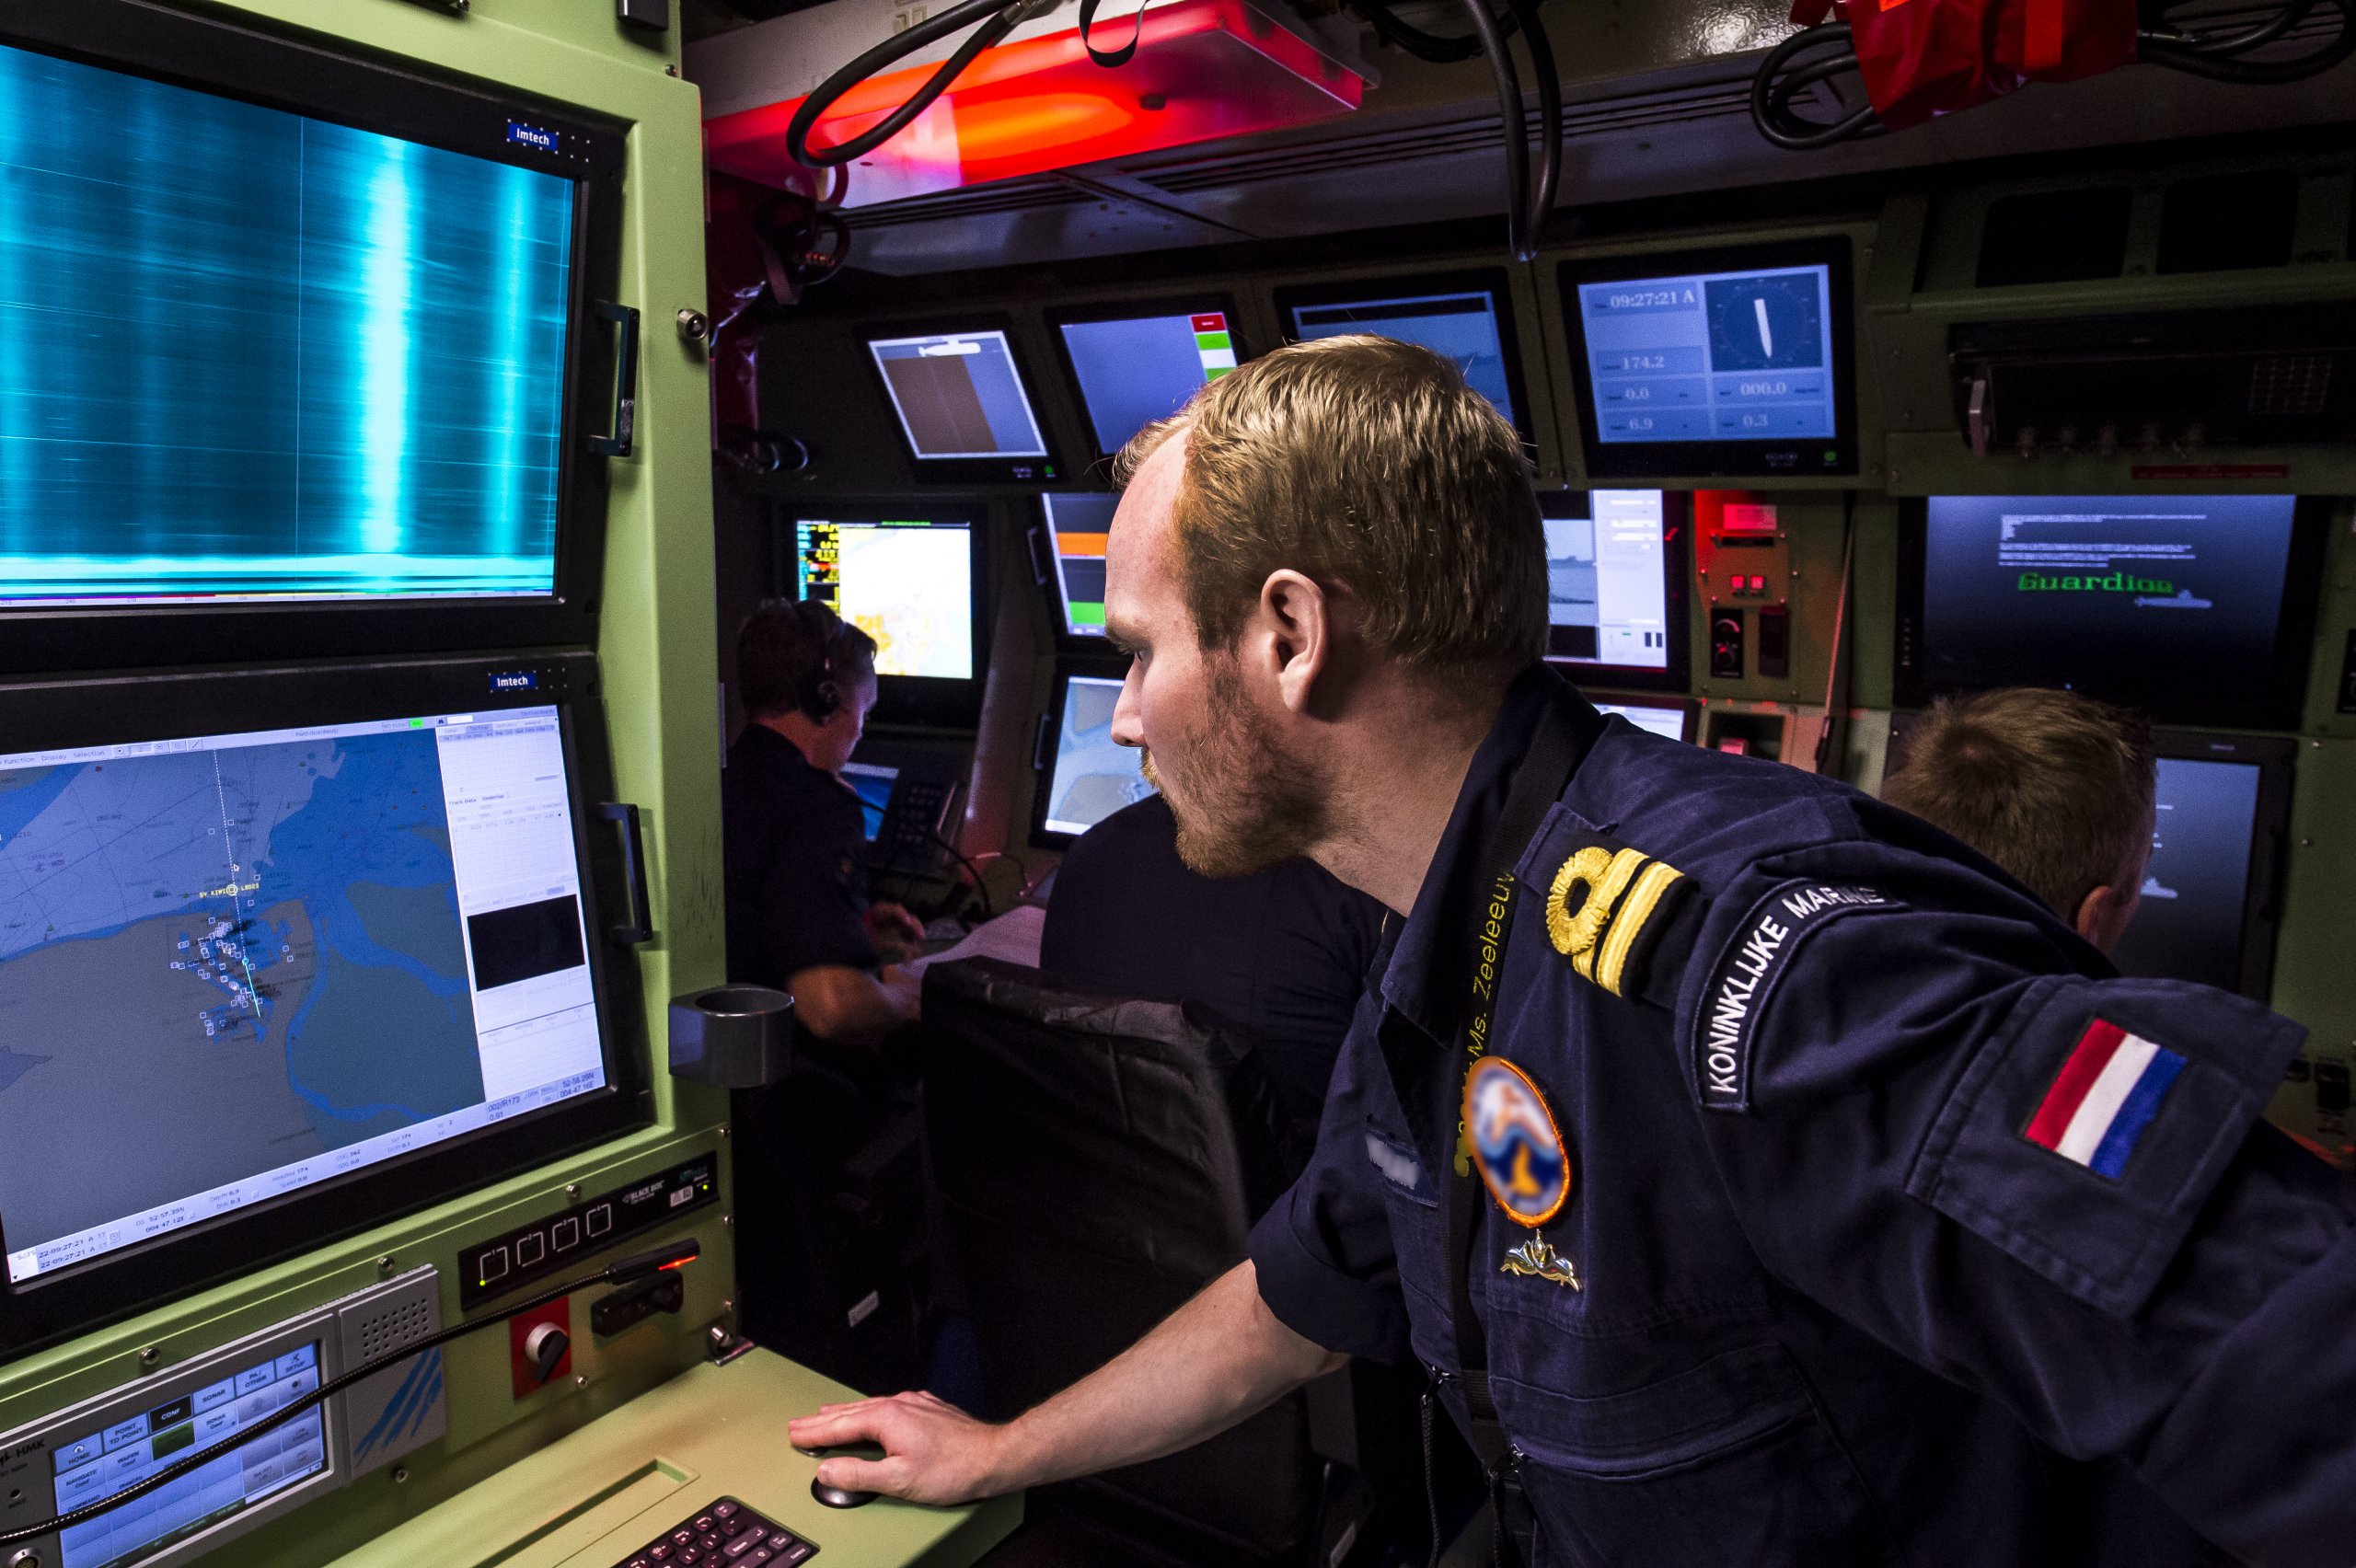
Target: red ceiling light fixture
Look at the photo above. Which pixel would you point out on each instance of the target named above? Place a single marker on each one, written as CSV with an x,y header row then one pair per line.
x,y
1202,69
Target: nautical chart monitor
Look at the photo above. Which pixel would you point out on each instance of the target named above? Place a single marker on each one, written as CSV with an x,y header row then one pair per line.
x,y
2194,609
293,349
910,579
265,960
1084,776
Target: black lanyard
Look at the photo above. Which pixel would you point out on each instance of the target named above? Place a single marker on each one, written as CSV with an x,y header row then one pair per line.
x,y
1553,755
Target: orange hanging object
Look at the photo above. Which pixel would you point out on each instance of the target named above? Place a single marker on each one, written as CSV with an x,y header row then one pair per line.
x,y
1925,58
1204,69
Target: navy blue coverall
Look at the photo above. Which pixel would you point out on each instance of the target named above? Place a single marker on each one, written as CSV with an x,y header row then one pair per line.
x,y
1892,1226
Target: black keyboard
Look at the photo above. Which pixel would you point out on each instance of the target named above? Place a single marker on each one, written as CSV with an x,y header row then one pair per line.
x,y
915,817
725,1535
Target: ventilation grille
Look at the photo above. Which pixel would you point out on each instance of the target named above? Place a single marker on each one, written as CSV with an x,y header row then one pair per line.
x,y
1012,196
2289,383
1475,135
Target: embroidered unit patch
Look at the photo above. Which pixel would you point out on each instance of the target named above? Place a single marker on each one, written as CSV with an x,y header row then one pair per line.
x,y
1515,1142
2104,1098
1602,904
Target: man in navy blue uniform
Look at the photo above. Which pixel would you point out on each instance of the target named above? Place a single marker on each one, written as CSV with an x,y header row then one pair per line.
x,y
1759,1183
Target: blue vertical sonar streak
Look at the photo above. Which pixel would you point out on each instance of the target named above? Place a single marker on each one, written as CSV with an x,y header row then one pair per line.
x,y
247,351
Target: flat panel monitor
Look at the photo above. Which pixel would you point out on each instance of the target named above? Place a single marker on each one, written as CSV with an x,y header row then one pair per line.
x,y
1615,585
913,584
2194,609
1078,525
1714,364
2208,912
872,782
1673,721
296,338
1084,776
1134,364
962,404
1465,315
265,962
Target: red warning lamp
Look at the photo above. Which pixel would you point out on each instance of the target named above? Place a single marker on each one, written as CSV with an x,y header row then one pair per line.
x,y
1204,69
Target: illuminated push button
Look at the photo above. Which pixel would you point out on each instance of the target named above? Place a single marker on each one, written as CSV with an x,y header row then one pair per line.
x,y
565,1235
530,1250
600,1219
494,1265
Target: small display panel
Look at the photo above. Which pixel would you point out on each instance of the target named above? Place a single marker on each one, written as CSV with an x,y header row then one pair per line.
x,y
1465,324
248,355
1095,776
1078,527
908,583
1670,722
2196,890
958,396
1134,370
261,961
1607,583
2173,604
873,784
1713,356
95,1467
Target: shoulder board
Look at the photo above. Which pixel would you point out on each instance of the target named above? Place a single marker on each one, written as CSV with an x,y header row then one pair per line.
x,y
1625,919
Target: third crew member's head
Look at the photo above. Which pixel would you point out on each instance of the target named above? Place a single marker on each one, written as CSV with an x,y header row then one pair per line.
x,y
2055,787
810,675
1339,536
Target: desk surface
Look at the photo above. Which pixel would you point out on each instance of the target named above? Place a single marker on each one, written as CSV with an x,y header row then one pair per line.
x,y
594,1497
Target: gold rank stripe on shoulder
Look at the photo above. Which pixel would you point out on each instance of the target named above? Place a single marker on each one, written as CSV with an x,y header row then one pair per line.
x,y
1598,907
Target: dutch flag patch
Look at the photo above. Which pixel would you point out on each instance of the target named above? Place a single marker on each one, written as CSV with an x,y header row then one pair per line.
x,y
2104,1097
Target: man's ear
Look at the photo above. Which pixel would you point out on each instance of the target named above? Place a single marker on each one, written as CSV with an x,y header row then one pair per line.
x,y
1296,628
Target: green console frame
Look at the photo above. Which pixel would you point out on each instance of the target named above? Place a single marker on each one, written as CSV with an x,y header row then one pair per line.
x,y
659,677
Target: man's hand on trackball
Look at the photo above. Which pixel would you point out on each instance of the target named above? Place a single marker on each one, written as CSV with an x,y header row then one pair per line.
x,y
934,1452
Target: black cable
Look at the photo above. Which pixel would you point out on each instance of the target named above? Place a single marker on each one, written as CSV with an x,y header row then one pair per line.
x,y
1390,27
2219,58
989,908
998,19
1771,91
1492,44
1550,111
623,1272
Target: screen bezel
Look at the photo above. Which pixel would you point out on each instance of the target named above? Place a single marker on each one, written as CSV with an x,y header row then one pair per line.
x,y
74,712
1674,460
2279,702
1129,310
2274,756
1492,281
1049,738
228,61
1688,710
923,701
1079,644
1046,470
1676,566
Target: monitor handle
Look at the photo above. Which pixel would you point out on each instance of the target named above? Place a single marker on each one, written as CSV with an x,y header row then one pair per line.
x,y
640,927
625,379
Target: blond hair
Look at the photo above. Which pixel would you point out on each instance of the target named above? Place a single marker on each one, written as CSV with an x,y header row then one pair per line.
x,y
2055,787
1367,463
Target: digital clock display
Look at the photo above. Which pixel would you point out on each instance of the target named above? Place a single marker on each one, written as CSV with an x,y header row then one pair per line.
x,y
1717,356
